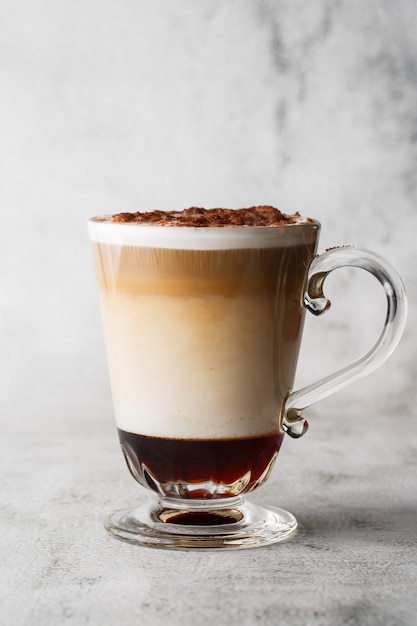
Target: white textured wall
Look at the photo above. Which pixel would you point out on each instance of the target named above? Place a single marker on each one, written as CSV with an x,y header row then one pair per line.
x,y
108,106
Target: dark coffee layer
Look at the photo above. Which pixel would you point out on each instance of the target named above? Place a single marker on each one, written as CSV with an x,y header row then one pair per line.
x,y
196,216
200,468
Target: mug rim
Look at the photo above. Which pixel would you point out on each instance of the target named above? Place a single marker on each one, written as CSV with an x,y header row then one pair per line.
x,y
200,237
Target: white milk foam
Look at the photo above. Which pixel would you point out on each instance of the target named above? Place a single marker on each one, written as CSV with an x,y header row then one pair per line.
x,y
219,381
191,237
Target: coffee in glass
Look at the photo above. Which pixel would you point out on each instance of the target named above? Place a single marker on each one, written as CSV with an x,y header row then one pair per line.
x,y
202,315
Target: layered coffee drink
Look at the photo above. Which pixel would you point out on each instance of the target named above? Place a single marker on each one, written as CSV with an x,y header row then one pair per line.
x,y
202,321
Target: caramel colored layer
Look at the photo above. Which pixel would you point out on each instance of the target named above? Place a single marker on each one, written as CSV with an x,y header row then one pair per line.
x,y
196,272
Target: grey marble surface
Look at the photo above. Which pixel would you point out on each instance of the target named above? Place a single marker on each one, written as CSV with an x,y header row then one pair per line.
x,y
350,481
310,106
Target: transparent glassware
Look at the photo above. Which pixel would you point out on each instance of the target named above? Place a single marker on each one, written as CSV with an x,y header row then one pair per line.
x,y
202,330
315,302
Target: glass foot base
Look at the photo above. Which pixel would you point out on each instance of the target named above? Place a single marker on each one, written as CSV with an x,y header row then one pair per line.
x,y
180,525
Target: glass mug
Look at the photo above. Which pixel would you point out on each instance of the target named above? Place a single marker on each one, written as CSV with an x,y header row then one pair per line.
x,y
202,328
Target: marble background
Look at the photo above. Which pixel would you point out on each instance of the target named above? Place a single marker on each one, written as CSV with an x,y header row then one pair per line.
x,y
137,105
108,106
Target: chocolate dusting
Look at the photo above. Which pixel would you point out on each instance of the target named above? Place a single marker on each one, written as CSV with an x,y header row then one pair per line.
x,y
197,216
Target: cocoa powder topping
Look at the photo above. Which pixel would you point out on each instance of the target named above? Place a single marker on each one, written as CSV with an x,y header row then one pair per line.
x,y
196,216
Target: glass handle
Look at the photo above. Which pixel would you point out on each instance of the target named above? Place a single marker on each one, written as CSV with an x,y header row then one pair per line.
x,y
314,300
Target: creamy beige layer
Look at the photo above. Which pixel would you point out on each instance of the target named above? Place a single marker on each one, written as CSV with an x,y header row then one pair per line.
x,y
196,367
